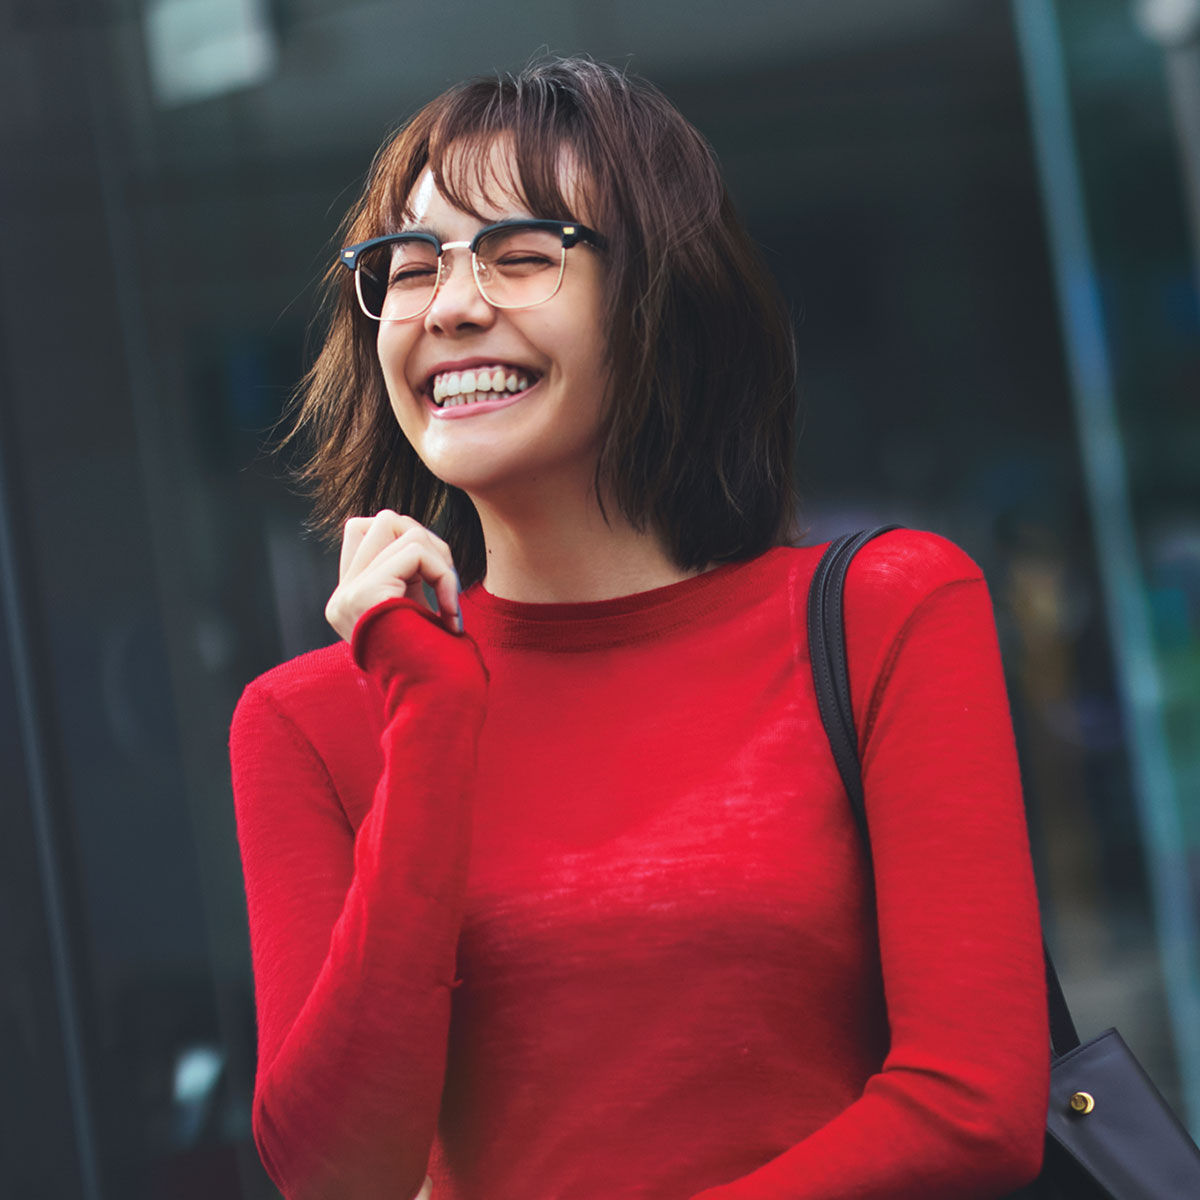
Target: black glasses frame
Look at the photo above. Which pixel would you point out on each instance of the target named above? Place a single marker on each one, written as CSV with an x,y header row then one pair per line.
x,y
571,233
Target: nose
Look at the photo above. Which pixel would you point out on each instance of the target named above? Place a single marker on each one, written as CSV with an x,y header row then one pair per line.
x,y
458,303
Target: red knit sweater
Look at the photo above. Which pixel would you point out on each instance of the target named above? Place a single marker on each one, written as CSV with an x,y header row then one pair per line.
x,y
598,927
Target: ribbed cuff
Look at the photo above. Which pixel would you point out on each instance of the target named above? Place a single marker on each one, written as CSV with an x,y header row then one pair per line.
x,y
377,641
395,639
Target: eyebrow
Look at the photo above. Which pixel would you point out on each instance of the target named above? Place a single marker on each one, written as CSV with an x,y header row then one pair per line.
x,y
421,227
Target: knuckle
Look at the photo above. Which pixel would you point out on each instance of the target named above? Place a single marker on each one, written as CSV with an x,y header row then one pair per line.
x,y
390,517
412,536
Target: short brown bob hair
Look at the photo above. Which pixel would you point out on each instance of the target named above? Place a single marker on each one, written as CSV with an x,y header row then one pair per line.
x,y
698,427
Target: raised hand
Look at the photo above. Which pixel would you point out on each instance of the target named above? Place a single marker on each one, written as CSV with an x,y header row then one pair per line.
x,y
386,556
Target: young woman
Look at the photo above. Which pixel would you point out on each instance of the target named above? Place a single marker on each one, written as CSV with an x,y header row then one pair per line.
x,y
559,896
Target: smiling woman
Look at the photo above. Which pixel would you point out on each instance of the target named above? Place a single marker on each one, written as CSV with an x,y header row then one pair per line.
x,y
570,902
658,280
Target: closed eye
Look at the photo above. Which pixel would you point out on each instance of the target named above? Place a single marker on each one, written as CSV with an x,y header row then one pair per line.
x,y
407,276
523,262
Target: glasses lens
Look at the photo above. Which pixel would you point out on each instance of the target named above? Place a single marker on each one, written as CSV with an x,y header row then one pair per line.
x,y
518,267
396,280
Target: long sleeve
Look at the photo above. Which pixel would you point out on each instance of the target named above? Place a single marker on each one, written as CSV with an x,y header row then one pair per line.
x,y
354,934
958,1108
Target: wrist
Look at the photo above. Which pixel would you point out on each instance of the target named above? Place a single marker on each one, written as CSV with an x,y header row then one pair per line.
x,y
401,637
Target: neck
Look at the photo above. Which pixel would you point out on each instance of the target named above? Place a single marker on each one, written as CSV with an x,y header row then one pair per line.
x,y
567,553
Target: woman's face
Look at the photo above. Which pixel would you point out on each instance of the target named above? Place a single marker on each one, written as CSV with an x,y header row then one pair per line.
x,y
546,438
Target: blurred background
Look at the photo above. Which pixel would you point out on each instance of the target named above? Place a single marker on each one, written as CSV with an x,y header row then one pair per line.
x,y
986,216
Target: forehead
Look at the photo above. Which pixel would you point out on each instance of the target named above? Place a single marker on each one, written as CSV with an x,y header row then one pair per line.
x,y
427,204
492,181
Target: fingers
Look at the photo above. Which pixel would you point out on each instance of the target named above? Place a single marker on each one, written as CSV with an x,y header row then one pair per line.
x,y
390,555
353,533
409,562
365,537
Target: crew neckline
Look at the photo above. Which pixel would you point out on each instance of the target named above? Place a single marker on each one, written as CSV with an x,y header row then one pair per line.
x,y
595,624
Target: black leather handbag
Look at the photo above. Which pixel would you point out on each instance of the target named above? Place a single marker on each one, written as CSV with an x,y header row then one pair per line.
x,y
1109,1133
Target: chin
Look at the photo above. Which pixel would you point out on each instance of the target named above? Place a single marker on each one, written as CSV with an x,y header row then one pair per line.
x,y
475,478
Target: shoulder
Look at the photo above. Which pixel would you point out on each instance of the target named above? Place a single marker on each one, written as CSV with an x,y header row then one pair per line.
x,y
316,717
904,566
893,577
903,573
298,679
910,593
314,692
896,570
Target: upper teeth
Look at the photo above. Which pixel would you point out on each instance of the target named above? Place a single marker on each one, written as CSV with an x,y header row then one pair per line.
x,y
460,387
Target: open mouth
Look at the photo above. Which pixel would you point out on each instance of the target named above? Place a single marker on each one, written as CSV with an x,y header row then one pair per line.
x,y
479,385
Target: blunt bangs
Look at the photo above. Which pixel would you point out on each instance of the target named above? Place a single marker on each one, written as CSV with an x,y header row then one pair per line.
x,y
696,443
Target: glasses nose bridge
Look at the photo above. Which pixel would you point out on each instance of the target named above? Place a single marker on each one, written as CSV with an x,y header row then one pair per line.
x,y
445,268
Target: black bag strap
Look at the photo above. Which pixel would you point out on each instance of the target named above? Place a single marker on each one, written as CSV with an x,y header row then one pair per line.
x,y
831,678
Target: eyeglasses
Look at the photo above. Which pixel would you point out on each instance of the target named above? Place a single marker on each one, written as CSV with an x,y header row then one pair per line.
x,y
516,264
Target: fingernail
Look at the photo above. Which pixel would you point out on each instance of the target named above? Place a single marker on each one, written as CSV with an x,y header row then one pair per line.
x,y
458,602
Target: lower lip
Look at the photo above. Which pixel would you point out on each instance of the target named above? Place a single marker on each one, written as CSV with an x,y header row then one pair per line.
x,y
479,406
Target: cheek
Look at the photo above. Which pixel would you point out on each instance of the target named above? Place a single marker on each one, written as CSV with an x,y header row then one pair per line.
x,y
588,338
392,349
592,359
